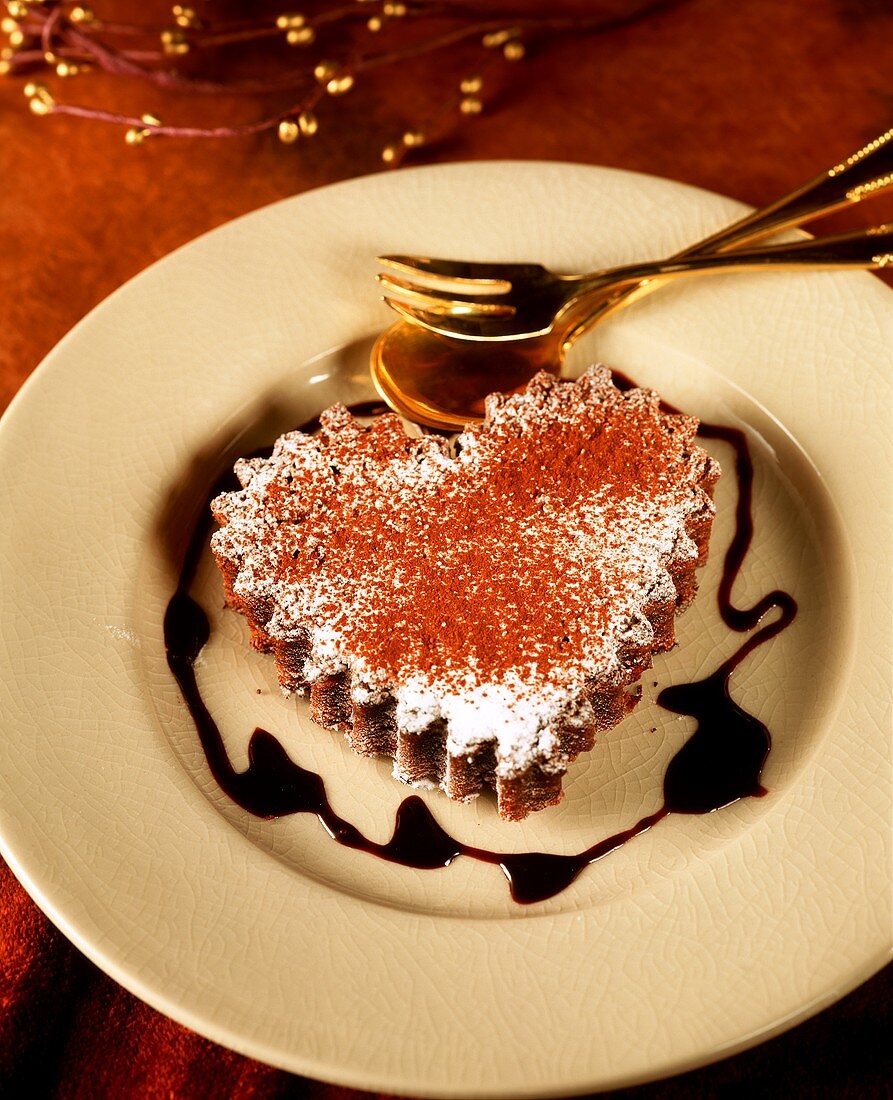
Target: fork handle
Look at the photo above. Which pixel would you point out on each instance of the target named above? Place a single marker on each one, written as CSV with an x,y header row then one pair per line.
x,y
863,174
860,249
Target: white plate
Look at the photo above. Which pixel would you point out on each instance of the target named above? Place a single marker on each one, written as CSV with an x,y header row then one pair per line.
x,y
701,937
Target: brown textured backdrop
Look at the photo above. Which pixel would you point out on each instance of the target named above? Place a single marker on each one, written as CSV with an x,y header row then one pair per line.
x,y
746,98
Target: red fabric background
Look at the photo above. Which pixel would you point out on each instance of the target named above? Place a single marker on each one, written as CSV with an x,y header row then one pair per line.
x,y
745,98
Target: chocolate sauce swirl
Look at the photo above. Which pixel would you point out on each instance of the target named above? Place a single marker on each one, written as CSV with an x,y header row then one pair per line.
x,y
720,763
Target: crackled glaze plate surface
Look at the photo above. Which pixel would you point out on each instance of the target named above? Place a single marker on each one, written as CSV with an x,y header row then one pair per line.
x,y
698,938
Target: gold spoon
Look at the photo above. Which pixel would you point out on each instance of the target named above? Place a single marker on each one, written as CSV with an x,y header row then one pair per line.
x,y
433,380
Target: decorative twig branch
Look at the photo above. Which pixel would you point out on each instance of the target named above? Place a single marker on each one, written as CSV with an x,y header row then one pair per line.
x,y
61,39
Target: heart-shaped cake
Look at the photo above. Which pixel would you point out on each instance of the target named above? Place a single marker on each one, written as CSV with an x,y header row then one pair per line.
x,y
476,610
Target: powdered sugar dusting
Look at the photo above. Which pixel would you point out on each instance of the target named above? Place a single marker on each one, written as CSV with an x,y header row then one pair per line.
x,y
490,586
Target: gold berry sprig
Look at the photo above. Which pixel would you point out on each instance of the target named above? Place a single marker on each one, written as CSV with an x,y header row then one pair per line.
x,y
306,57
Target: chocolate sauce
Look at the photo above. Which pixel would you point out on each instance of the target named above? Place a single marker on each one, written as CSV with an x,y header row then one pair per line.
x,y
720,763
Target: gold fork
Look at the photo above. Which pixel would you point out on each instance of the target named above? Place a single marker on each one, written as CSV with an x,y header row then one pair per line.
x,y
493,301
535,307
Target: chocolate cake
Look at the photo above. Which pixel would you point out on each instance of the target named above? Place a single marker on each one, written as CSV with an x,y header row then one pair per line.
x,y
477,610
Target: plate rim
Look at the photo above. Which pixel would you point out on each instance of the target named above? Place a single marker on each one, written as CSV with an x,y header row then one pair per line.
x,y
221,1034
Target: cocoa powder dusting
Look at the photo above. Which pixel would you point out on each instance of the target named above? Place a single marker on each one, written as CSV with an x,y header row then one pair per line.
x,y
515,567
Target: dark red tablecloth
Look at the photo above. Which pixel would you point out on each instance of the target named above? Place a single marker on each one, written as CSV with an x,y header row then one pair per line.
x,y
746,98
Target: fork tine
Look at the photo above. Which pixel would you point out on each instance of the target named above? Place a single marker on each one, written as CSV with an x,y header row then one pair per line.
x,y
441,301
426,307
447,271
447,324
428,319
408,313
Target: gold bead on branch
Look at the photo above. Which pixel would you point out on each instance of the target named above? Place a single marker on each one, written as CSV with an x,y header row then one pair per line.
x,y
5,66
331,75
290,21
185,17
8,25
300,36
395,9
340,84
412,139
289,131
16,9
81,15
374,24
308,123
40,101
174,43
471,85
471,105
326,71
513,51
16,39
496,39
68,68
389,154
136,135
